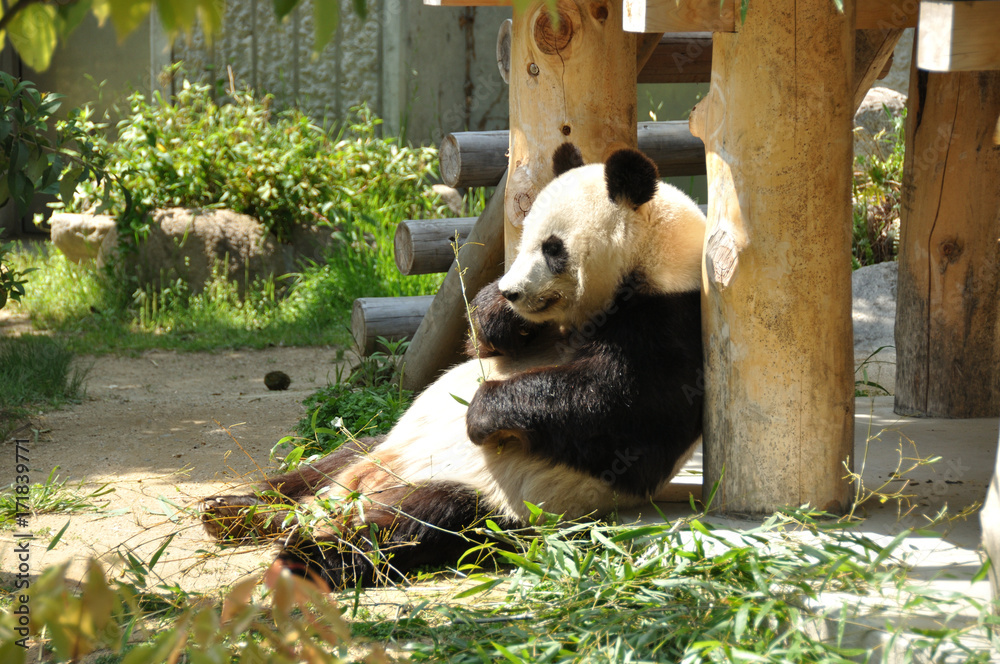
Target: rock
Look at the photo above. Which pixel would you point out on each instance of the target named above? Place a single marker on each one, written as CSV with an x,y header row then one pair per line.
x,y
79,236
871,119
277,380
451,198
874,314
187,244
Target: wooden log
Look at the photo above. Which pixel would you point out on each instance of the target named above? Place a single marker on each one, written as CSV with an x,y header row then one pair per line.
x,y
570,80
958,36
886,14
947,345
872,52
670,145
680,58
437,343
473,158
673,16
394,318
424,246
779,409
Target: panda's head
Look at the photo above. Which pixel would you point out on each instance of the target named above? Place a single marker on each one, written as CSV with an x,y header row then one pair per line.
x,y
579,239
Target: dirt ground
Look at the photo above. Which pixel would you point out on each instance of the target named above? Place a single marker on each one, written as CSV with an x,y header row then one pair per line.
x,y
164,429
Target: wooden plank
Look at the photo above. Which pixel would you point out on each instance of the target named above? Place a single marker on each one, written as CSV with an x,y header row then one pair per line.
x,y
680,58
948,302
570,80
779,400
394,318
424,246
872,52
437,343
679,15
886,14
959,36
670,145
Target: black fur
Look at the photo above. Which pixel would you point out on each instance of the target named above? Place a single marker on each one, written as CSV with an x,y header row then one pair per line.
x,y
556,257
627,406
631,178
404,528
499,331
566,157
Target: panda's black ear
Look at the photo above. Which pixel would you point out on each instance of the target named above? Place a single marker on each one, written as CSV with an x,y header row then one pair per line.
x,y
567,156
631,178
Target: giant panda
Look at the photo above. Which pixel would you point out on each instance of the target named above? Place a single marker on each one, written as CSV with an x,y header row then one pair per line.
x,y
580,396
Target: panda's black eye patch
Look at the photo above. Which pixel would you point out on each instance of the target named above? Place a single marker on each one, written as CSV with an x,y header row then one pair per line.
x,y
555,254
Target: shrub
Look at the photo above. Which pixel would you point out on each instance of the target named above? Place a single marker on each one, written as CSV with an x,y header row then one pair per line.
x,y
877,192
280,168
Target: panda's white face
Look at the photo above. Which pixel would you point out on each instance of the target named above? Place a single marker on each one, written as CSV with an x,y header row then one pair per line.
x,y
572,251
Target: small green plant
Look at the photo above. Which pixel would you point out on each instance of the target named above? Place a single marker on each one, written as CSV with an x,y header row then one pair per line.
x,y
35,371
367,402
878,180
11,280
51,497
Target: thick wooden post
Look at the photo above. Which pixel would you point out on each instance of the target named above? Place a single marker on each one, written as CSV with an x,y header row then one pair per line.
x,y
777,274
947,333
571,79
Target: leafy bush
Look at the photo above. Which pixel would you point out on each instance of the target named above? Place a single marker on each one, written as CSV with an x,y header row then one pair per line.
x,y
279,168
877,192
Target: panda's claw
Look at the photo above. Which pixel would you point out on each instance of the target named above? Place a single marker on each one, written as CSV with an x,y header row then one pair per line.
x,y
240,519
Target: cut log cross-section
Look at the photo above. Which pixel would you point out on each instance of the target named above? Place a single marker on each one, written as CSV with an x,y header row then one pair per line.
x,y
777,284
426,246
947,325
571,79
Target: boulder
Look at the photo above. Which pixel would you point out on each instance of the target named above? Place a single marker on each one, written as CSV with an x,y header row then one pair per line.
x,y
79,236
872,118
874,314
187,244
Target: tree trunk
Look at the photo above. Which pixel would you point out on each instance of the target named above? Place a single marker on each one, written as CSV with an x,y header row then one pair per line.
x,y
571,80
947,334
779,410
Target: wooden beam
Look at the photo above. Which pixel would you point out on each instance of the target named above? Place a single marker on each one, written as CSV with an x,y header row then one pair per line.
x,y
872,51
716,16
680,58
394,318
886,14
670,145
679,15
959,36
779,360
570,80
437,343
424,246
473,158
948,302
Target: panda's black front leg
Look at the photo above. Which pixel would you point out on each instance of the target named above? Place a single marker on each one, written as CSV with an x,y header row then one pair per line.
x,y
499,331
554,410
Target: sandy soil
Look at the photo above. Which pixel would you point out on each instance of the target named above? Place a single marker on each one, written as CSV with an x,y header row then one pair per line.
x,y
164,429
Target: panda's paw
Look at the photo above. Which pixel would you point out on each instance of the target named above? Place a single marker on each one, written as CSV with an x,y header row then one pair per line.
x,y
499,331
240,519
482,420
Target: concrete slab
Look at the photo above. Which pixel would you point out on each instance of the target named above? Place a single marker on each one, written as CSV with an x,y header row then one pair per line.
x,y
937,472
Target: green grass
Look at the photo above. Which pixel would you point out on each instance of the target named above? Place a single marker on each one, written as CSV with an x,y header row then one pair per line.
x,y
50,497
35,371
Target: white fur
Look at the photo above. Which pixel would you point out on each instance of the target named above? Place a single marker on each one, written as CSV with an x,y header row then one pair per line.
x,y
605,242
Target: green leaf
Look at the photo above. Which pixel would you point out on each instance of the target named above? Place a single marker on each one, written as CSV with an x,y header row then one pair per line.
x,y
983,572
55,540
460,400
127,15
33,34
283,8
481,588
326,15
361,8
